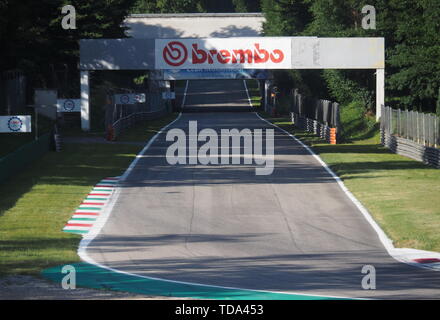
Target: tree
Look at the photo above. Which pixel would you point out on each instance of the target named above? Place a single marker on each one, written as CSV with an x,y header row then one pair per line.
x,y
415,55
438,103
169,6
182,6
39,46
246,5
285,17
410,29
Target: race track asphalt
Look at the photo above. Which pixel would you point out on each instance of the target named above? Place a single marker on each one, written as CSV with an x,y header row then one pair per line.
x,y
292,231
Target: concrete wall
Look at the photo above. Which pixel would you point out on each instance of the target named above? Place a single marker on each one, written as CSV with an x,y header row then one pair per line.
x,y
194,25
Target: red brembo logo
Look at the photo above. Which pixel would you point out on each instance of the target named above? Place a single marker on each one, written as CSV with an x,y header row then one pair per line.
x,y
175,54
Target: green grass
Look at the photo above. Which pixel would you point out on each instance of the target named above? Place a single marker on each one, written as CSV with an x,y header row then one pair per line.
x,y
355,123
35,205
10,142
402,195
145,130
180,83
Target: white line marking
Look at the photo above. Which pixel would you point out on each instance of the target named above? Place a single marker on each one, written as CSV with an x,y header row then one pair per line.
x,y
184,95
247,93
76,228
100,222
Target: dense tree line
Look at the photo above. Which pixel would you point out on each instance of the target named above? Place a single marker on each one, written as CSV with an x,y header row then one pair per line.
x,y
33,40
193,6
411,30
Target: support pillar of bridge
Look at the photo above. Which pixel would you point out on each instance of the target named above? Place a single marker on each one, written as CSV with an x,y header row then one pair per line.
x,y
266,95
85,106
380,91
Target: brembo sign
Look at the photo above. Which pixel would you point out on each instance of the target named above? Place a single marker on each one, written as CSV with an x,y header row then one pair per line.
x,y
223,53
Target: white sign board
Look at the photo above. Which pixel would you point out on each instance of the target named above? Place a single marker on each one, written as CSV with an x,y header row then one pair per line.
x,y
270,53
223,53
233,53
69,105
168,95
129,98
15,124
338,53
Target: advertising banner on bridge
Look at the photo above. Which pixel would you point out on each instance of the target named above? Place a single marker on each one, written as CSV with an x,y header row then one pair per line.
x,y
15,124
233,53
223,53
212,74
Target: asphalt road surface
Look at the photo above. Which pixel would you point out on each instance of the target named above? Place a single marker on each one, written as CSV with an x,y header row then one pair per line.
x,y
292,231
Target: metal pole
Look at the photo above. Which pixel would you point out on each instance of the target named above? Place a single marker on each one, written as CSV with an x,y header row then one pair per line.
x,y
266,95
380,91
36,122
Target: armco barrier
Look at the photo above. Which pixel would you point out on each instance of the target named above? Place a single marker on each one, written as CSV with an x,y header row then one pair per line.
x,y
124,123
411,149
14,162
411,134
324,131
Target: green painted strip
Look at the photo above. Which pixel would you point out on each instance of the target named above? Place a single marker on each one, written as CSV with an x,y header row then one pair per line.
x,y
76,231
108,182
96,198
102,190
83,219
91,276
88,208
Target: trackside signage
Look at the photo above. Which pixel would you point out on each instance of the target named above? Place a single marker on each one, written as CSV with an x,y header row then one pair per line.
x,y
68,105
223,53
15,124
129,98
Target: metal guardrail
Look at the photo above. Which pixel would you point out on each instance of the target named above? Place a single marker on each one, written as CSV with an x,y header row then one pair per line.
x,y
120,117
324,111
318,116
322,130
412,134
421,128
129,121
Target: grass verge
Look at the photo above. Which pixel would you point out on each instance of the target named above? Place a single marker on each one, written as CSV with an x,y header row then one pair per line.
x,y
35,205
10,142
146,129
402,195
